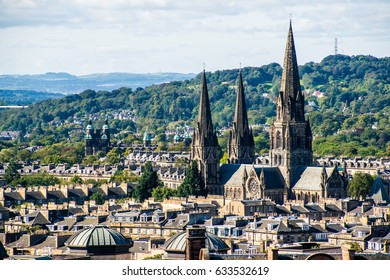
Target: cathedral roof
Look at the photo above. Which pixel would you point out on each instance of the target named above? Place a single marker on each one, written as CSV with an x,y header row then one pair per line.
x,y
233,174
311,178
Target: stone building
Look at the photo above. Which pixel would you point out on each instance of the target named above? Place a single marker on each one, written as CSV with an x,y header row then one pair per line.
x,y
97,140
291,174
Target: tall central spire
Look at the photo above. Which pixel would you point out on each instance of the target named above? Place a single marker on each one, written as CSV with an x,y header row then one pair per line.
x,y
291,98
290,78
290,133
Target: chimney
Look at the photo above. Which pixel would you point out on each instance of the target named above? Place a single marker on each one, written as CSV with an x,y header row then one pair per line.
x,y
347,252
272,253
196,240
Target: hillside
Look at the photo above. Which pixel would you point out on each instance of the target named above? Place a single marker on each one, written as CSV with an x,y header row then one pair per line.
x,y
347,102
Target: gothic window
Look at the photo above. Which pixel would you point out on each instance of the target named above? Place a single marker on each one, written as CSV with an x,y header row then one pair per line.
x,y
278,140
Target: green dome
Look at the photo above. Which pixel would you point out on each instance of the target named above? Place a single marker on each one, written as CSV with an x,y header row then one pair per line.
x,y
104,136
105,127
178,243
88,136
90,126
96,236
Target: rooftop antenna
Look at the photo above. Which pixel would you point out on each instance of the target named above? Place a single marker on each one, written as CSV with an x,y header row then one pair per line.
x,y
240,66
204,66
335,46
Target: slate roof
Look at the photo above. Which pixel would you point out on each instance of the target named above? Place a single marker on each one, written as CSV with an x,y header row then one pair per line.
x,y
13,196
378,193
232,174
299,209
311,178
258,202
314,208
38,218
55,194
34,195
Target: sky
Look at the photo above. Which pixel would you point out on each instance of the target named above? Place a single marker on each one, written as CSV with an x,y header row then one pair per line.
x,y
147,36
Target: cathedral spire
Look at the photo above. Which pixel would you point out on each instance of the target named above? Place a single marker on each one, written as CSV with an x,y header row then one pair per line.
x,y
290,86
204,148
204,116
240,143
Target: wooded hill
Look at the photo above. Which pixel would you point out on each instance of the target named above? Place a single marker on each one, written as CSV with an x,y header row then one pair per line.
x,y
347,102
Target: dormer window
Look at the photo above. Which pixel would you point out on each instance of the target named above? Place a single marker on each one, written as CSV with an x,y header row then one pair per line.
x,y
305,227
361,233
271,226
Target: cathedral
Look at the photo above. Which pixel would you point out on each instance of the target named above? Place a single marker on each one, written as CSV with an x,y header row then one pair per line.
x,y
291,174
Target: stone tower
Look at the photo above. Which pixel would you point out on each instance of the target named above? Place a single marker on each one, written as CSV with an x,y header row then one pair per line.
x,y
204,148
241,146
290,134
96,139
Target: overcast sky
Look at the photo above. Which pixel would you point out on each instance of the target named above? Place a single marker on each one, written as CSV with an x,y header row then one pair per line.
x,y
140,36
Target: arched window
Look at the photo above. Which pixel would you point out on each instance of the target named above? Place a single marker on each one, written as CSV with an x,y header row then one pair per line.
x,y
278,140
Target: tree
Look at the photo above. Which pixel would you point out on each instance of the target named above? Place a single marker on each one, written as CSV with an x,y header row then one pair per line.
x,y
12,175
98,197
360,185
76,180
147,182
113,156
161,193
192,184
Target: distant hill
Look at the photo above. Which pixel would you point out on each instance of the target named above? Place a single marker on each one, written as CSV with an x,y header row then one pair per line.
x,y
24,97
69,84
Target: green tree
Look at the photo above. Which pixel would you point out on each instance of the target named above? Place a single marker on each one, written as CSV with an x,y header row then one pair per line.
x,y
147,182
98,197
161,193
113,156
360,185
192,184
12,175
76,180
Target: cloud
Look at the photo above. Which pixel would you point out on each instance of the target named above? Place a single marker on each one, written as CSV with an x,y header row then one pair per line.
x,y
140,35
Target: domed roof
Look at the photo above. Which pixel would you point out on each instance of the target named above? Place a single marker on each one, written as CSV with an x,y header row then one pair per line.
x,y
88,136
96,236
90,126
105,127
104,136
178,243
